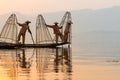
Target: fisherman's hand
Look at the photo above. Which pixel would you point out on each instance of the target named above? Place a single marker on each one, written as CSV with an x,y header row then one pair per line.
x,y
61,27
18,23
30,32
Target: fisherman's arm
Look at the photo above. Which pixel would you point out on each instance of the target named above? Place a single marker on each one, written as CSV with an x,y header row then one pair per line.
x,y
51,26
19,24
61,27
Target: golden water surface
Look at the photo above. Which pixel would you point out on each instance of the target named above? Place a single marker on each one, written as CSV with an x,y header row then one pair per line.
x,y
61,63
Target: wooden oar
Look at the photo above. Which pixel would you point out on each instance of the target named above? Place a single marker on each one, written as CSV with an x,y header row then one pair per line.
x,y
32,38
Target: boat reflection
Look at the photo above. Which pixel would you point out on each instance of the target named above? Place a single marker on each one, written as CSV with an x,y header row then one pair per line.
x,y
62,60
36,64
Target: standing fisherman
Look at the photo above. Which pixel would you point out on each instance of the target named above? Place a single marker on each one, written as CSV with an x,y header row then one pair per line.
x,y
24,28
67,30
56,31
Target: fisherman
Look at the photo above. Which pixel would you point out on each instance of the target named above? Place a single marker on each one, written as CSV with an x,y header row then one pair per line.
x,y
56,31
67,30
24,28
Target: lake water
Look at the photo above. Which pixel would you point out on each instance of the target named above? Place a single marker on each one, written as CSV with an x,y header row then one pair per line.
x,y
92,56
36,64
96,56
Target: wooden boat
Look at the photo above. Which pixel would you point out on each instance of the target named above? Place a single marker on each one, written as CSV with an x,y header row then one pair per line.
x,y
13,46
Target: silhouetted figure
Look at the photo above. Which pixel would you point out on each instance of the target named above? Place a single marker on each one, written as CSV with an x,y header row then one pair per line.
x,y
56,31
56,62
24,28
67,30
67,58
62,57
22,60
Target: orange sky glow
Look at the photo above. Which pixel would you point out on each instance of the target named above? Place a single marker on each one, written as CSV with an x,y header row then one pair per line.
x,y
43,6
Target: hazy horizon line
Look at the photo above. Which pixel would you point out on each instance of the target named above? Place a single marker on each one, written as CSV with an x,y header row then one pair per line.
x,y
56,11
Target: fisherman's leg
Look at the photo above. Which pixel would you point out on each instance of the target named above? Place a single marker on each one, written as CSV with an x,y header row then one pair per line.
x,y
23,38
65,37
19,36
61,36
56,38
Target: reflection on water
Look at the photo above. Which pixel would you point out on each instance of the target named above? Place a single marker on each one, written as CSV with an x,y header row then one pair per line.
x,y
63,60
36,64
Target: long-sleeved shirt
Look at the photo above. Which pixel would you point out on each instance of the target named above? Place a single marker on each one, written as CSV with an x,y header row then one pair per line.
x,y
55,28
24,28
67,28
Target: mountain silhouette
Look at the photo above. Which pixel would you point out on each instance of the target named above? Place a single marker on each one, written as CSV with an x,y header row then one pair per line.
x,y
106,19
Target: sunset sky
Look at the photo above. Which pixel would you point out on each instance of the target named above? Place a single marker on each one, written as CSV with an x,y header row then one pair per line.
x,y
43,6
